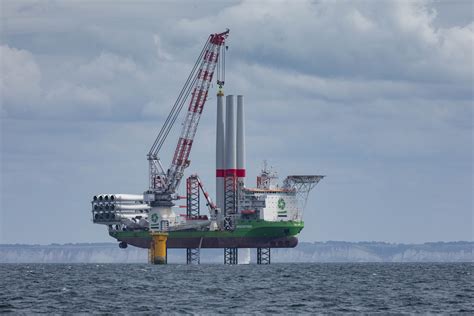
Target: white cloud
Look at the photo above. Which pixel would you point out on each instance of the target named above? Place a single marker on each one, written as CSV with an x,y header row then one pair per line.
x,y
20,78
161,52
358,39
108,66
67,99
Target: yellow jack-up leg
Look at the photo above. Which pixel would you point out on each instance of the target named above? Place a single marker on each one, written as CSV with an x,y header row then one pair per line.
x,y
158,248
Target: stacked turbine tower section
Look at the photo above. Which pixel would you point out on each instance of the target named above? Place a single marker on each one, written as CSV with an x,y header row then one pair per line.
x,y
232,138
234,157
267,216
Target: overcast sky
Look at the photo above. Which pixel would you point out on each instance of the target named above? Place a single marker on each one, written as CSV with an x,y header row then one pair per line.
x,y
376,95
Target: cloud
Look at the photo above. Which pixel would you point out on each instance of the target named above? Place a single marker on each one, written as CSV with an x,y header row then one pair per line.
x,y
83,99
20,79
108,66
23,94
391,40
378,96
161,52
327,50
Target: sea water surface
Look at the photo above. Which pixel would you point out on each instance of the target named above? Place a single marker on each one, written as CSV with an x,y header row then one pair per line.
x,y
241,289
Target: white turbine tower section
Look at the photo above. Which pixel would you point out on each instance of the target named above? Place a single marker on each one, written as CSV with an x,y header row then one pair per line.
x,y
230,137
220,151
240,139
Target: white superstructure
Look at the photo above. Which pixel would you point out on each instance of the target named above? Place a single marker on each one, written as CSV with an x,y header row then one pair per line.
x,y
270,205
271,202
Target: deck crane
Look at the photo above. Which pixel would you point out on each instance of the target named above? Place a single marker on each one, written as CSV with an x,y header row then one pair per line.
x,y
163,184
265,217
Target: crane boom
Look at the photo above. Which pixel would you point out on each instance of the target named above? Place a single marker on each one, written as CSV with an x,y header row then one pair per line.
x,y
197,86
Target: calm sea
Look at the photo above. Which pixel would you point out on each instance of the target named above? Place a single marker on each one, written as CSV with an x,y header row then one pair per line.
x,y
241,289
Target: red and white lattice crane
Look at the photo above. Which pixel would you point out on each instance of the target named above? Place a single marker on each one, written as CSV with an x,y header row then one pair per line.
x,y
164,184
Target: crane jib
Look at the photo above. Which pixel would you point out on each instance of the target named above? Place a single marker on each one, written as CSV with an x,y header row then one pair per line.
x,y
198,105
198,84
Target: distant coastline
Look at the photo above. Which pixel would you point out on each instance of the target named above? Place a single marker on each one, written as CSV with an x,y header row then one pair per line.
x,y
330,251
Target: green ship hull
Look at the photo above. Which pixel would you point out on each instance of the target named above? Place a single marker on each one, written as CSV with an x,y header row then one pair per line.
x,y
248,234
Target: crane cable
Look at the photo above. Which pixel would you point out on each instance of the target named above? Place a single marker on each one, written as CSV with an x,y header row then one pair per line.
x,y
178,105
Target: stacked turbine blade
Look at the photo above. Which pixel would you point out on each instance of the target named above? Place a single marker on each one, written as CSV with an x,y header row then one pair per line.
x,y
127,209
